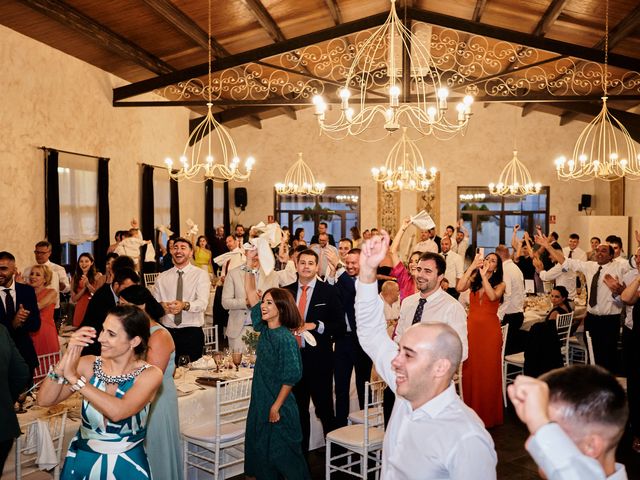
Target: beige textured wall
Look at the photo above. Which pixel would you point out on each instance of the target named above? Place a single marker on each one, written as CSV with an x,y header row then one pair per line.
x,y
49,98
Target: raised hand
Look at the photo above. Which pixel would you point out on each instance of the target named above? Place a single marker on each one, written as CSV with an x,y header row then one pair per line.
x,y
614,285
374,251
530,398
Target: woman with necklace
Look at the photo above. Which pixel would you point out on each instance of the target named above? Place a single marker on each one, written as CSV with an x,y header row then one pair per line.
x,y
117,387
273,435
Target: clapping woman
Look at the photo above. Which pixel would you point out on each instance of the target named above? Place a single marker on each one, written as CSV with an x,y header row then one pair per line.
x,y
482,371
117,389
273,436
86,280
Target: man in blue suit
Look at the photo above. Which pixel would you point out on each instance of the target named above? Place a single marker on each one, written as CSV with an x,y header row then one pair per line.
x,y
19,311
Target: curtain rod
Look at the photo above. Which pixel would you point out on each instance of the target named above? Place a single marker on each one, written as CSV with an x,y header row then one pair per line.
x,y
72,153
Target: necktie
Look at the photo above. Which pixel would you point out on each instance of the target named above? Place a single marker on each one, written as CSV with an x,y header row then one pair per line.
x,y
177,319
570,253
593,291
418,315
302,305
9,306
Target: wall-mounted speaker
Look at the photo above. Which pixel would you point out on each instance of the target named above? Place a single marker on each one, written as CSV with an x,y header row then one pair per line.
x,y
240,197
585,202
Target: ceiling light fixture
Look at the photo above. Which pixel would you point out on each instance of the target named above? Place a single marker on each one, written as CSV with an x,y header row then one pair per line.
x,y
299,180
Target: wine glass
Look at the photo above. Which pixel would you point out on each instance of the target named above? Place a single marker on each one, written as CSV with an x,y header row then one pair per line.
x,y
207,355
218,357
236,357
183,361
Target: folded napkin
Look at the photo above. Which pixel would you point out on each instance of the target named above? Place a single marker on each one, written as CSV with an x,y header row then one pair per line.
x,y
39,441
164,229
423,221
187,387
269,237
204,363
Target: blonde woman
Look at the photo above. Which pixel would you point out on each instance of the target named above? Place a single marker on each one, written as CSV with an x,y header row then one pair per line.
x,y
45,340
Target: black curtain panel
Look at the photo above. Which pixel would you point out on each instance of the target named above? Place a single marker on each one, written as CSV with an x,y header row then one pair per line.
x,y
147,226
209,229
226,219
52,203
175,208
104,235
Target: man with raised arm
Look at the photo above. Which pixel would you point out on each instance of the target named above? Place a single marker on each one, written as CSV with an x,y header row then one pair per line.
x,y
432,433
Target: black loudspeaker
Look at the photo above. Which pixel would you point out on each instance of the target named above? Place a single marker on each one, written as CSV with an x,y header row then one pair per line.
x,y
240,197
585,201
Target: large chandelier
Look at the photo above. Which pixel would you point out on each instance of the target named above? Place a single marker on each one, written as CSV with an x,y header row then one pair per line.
x,y
515,180
404,168
299,180
604,149
197,162
394,78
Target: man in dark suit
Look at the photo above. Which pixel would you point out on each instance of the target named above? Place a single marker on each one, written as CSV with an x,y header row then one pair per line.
x,y
19,311
348,353
105,298
323,316
322,228
14,379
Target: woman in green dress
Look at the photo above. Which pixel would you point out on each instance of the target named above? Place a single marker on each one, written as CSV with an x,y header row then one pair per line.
x,y
273,436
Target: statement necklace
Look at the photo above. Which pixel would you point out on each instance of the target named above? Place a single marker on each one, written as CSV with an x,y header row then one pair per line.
x,y
100,375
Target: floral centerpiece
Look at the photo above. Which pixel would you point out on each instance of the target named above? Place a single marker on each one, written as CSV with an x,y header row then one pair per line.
x,y
250,339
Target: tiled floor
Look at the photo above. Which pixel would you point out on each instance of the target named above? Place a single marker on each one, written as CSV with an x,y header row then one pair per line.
x,y
513,461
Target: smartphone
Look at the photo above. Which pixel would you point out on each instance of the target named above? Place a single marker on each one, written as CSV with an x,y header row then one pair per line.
x,y
480,250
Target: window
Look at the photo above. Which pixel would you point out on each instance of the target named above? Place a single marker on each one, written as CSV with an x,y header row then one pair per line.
x,y
78,184
490,218
339,207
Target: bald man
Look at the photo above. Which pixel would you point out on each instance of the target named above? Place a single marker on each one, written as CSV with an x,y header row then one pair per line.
x,y
431,430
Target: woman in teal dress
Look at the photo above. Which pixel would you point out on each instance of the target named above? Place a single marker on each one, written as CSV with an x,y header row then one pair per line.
x,y
116,397
163,444
273,436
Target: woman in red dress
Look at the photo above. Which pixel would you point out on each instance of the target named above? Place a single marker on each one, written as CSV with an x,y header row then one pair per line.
x,y
482,371
45,340
86,280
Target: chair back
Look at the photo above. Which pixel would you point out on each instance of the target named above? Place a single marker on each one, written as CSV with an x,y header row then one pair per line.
x,y
592,357
44,362
211,336
505,331
150,279
26,448
232,403
563,327
373,407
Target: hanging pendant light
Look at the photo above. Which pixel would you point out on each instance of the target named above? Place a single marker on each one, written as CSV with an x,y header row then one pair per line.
x,y
299,180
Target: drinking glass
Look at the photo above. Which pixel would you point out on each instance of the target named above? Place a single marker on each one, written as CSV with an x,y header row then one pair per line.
x,y
207,355
218,357
236,357
183,361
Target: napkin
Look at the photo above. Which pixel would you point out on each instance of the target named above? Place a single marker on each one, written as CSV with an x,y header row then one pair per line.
x,y
204,363
269,237
423,221
165,229
39,441
193,228
187,387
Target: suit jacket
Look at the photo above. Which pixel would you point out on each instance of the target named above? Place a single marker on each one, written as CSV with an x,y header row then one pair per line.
x,y
99,305
314,239
25,296
14,379
325,307
346,286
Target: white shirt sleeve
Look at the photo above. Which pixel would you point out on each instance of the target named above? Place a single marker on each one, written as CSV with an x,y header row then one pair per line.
x,y
559,458
472,458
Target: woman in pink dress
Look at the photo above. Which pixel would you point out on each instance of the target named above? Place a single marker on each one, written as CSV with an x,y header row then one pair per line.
x,y
45,340
405,276
482,371
86,280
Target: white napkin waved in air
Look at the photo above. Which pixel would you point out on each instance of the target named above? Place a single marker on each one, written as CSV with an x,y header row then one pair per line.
x,y
193,228
165,229
423,221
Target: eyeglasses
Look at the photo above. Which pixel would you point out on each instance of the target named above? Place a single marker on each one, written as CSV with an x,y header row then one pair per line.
x,y
41,253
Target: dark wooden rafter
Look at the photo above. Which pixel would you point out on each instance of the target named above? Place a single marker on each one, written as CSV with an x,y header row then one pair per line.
x,y
101,35
549,17
176,17
334,10
264,19
479,10
289,112
622,30
568,117
528,108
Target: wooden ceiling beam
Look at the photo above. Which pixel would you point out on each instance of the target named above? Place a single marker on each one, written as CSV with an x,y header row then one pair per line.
x,y
549,17
101,35
334,10
479,10
568,117
264,19
254,121
622,30
528,108
289,112
176,17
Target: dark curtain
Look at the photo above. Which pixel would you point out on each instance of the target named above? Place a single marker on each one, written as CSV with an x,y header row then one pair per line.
x,y
147,226
104,236
52,203
209,229
175,208
226,219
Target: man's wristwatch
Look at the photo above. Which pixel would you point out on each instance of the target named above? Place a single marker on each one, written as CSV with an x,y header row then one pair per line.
x,y
186,306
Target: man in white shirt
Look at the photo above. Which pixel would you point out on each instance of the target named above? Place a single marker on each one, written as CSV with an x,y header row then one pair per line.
x,y
432,433
390,294
461,241
576,416
130,246
432,304
426,243
322,248
59,279
603,310
556,274
455,263
573,250
183,291
616,243
511,310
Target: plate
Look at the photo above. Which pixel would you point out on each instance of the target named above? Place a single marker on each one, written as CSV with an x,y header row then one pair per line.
x,y
184,394
210,381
